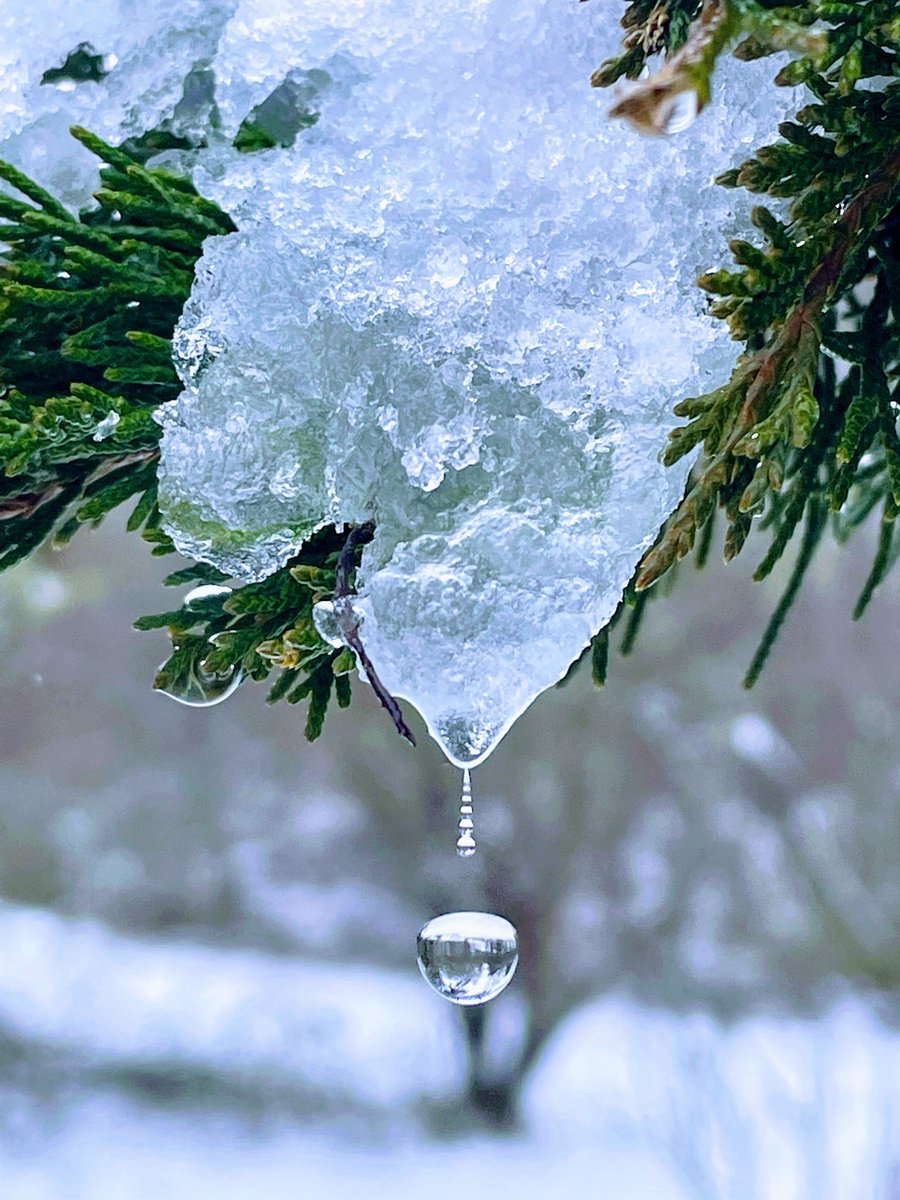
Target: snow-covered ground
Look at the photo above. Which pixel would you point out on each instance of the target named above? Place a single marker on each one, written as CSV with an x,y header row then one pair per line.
x,y
624,1104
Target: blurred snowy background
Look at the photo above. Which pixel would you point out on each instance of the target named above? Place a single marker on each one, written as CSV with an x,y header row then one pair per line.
x,y
207,926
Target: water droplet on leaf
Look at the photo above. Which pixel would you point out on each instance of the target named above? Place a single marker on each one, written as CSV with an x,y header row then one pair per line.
x,y
202,689
197,687
678,113
326,623
107,427
206,591
328,616
468,957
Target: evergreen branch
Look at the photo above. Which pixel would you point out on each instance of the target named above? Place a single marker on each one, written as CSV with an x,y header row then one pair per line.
x,y
88,303
788,436
883,559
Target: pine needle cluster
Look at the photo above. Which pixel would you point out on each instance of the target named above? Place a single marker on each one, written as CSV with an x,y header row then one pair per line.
x,y
803,438
88,306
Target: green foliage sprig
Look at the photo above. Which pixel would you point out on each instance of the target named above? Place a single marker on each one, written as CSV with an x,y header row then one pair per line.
x,y
695,34
88,307
87,310
804,435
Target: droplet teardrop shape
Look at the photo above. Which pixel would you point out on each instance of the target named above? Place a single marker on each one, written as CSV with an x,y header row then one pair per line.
x,y
331,617
326,623
468,957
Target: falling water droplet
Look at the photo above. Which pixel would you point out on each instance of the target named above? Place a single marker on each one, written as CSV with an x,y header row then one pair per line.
x,y
679,112
468,957
465,843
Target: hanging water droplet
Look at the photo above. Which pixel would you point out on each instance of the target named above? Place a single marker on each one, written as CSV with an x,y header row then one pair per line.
x,y
468,957
328,616
678,113
326,623
197,687
200,688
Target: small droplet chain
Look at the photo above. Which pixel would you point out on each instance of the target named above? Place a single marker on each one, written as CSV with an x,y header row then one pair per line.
x,y
465,843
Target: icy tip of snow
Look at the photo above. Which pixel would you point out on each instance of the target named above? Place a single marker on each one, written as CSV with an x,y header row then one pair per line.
x,y
461,303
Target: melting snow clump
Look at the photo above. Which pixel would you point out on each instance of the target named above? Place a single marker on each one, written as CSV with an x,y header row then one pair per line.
x,y
460,304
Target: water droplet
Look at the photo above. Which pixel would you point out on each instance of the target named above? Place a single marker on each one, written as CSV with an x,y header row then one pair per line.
x,y
107,427
326,623
679,112
468,957
203,689
206,591
328,615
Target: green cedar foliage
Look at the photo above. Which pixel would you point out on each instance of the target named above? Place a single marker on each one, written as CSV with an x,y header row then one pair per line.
x,y
87,310
88,307
804,436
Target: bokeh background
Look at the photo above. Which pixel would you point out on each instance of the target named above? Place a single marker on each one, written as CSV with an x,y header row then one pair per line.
x,y
207,926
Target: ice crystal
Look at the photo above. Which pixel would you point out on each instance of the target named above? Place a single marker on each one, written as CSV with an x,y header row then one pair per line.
x,y
119,67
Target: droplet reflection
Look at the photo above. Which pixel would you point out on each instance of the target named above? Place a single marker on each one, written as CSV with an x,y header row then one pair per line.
x,y
468,957
679,112
203,689
200,688
206,591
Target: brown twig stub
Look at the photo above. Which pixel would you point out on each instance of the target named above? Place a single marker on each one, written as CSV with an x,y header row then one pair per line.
x,y
348,623
27,504
650,105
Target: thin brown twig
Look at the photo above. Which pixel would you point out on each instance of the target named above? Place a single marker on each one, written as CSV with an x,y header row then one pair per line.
x,y
348,622
27,504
